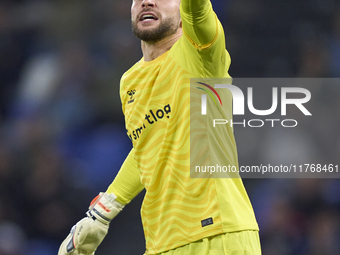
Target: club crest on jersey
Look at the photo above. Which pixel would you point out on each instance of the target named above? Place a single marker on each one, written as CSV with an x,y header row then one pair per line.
x,y
131,93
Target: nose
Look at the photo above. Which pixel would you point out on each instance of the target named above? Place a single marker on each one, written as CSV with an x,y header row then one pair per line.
x,y
148,3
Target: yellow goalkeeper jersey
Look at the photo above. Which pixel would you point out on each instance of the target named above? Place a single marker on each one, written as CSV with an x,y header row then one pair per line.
x,y
155,96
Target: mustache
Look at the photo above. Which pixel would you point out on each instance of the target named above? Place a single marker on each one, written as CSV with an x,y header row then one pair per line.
x,y
148,9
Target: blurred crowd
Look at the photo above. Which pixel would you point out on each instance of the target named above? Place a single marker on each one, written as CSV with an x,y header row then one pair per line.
x,y
62,134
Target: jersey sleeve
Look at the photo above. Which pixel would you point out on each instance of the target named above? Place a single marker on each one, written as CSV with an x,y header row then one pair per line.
x,y
202,48
200,24
127,184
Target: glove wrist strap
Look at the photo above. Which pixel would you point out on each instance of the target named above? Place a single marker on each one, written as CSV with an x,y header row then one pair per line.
x,y
104,208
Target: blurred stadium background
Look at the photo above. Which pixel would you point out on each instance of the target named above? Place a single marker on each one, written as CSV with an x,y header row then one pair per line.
x,y
62,135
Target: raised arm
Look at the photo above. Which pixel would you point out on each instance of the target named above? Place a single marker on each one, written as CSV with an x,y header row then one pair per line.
x,y
200,24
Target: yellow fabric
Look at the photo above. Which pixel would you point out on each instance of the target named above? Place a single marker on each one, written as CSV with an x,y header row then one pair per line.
x,y
234,243
156,103
197,21
127,183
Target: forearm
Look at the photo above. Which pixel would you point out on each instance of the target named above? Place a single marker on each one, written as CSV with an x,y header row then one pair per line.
x,y
127,183
199,22
195,6
88,233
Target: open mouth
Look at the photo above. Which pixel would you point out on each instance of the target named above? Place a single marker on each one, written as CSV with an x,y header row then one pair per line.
x,y
148,16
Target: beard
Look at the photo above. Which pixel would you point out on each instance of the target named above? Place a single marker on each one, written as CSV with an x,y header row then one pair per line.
x,y
166,28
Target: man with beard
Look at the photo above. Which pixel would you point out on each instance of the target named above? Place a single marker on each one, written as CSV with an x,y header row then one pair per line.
x,y
181,215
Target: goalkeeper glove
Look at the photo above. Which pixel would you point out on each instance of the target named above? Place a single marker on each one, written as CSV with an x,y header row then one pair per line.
x,y
89,232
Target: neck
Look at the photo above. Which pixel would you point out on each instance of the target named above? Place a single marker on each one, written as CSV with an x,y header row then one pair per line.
x,y
152,50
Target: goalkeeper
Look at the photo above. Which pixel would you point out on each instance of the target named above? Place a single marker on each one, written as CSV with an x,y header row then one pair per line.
x,y
180,215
